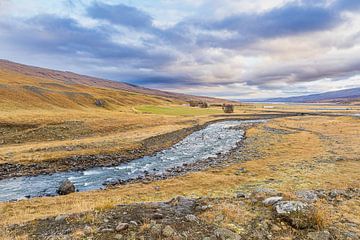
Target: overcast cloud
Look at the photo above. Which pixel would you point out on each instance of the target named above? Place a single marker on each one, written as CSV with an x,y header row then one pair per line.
x,y
236,49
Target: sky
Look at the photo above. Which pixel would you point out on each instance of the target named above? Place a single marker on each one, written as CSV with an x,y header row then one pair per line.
x,y
235,49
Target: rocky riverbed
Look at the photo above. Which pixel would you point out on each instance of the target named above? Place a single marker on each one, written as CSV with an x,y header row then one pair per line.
x,y
210,146
146,147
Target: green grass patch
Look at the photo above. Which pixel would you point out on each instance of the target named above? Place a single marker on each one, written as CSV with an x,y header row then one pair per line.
x,y
177,110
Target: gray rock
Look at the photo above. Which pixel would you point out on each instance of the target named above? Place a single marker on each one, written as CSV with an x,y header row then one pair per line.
x,y
298,214
335,193
157,216
272,200
241,195
286,207
191,218
134,223
168,231
321,235
100,103
66,187
226,234
183,205
122,226
307,195
61,218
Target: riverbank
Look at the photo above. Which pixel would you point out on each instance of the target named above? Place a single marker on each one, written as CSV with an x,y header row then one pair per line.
x,y
146,147
285,156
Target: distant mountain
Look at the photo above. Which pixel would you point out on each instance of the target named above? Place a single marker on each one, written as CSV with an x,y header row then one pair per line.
x,y
23,86
342,96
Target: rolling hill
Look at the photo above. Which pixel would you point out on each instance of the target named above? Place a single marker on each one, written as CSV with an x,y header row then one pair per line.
x,y
24,87
343,96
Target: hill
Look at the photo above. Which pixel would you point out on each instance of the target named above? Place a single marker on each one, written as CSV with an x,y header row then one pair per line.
x,y
23,86
343,96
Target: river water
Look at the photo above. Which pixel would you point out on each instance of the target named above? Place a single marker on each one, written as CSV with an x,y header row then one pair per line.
x,y
220,137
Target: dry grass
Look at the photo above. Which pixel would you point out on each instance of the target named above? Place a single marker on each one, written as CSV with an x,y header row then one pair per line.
x,y
294,156
229,214
5,235
145,226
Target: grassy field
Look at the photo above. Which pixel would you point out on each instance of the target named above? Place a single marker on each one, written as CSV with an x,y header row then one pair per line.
x,y
178,110
42,119
303,159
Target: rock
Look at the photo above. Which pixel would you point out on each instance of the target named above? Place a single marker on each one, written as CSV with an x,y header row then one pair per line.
x,y
168,231
286,207
191,218
298,214
157,216
307,195
60,218
240,171
335,193
100,103
225,234
66,187
107,230
272,200
183,205
134,223
241,195
122,226
322,235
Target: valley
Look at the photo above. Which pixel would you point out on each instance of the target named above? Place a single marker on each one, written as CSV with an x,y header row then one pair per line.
x,y
305,153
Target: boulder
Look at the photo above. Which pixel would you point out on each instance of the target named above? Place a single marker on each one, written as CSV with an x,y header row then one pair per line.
x,y
183,205
287,207
66,187
298,214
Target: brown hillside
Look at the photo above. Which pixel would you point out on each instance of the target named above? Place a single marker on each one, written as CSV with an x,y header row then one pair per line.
x,y
24,86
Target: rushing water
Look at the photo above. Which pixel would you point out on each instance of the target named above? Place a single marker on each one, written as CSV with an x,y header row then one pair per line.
x,y
216,138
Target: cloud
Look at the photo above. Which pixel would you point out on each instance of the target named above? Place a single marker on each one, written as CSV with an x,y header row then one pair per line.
x,y
55,35
260,46
121,14
347,5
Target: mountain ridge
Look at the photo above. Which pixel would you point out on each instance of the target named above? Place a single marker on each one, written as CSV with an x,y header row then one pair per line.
x,y
341,96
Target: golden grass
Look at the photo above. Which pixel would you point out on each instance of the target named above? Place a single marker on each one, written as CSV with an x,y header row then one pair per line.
x,y
20,91
295,156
